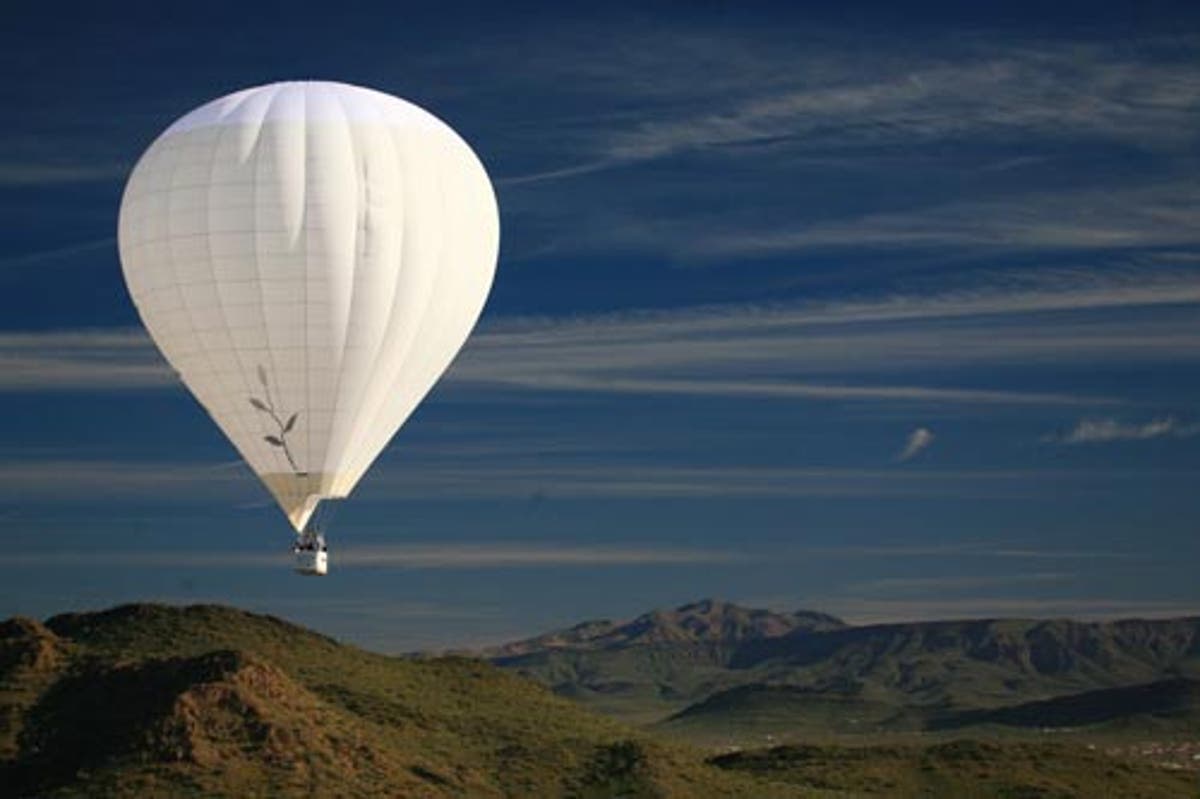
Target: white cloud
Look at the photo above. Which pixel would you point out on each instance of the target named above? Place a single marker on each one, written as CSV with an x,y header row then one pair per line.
x,y
918,440
634,480
795,390
30,479
152,560
558,174
481,555
81,359
874,609
491,555
41,257
792,115
814,98
938,585
974,550
855,346
770,351
50,174
24,479
855,350
538,479
893,610
1099,431
1116,217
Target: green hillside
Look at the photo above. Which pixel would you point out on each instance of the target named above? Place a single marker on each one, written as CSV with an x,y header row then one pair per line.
x,y
147,700
1166,704
756,713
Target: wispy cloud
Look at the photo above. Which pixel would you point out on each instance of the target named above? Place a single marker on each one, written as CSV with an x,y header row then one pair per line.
x,y
1071,92
775,352
1100,431
975,550
557,174
876,609
1112,218
893,610
781,122
918,440
850,350
492,555
536,477
635,479
827,102
795,390
151,560
50,174
41,257
538,554
938,585
81,359
1008,294
482,555
63,480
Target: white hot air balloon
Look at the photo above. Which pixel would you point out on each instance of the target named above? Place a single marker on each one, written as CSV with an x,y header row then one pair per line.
x,y
309,257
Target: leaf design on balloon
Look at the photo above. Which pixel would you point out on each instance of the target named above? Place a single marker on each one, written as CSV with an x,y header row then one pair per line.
x,y
267,406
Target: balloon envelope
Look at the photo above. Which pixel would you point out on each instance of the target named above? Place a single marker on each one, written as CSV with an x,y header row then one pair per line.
x,y
309,257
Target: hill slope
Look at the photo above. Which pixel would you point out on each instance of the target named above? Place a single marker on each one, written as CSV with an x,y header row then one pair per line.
x,y
1175,702
147,700
763,712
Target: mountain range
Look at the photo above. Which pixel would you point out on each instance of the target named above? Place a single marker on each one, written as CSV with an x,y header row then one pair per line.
x,y
707,621
713,663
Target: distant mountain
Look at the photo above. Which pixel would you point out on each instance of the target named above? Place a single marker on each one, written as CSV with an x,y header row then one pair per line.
x,y
709,621
666,661
148,700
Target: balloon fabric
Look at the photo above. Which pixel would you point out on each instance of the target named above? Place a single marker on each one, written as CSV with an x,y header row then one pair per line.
x,y
309,257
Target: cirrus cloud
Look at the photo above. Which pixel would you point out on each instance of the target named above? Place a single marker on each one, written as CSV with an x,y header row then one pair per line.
x,y
1099,431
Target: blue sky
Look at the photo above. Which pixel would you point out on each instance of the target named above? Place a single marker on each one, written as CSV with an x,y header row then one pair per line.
x,y
888,315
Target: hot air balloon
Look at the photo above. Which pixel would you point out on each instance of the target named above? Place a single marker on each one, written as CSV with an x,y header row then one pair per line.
x,y
309,257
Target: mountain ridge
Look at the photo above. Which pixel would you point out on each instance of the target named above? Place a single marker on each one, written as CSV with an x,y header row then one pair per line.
x,y
1175,699
972,664
703,621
